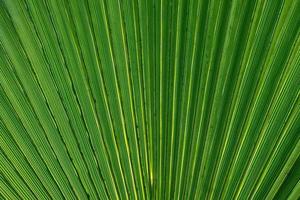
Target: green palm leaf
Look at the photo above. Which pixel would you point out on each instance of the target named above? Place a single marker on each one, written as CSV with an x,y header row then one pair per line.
x,y
152,99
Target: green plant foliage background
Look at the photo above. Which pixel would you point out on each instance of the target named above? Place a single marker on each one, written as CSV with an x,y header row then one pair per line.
x,y
149,99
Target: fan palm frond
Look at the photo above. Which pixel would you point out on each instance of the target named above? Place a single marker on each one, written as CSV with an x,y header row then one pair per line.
x,y
150,99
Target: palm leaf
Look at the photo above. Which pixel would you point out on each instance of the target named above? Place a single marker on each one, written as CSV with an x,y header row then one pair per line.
x,y
128,99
